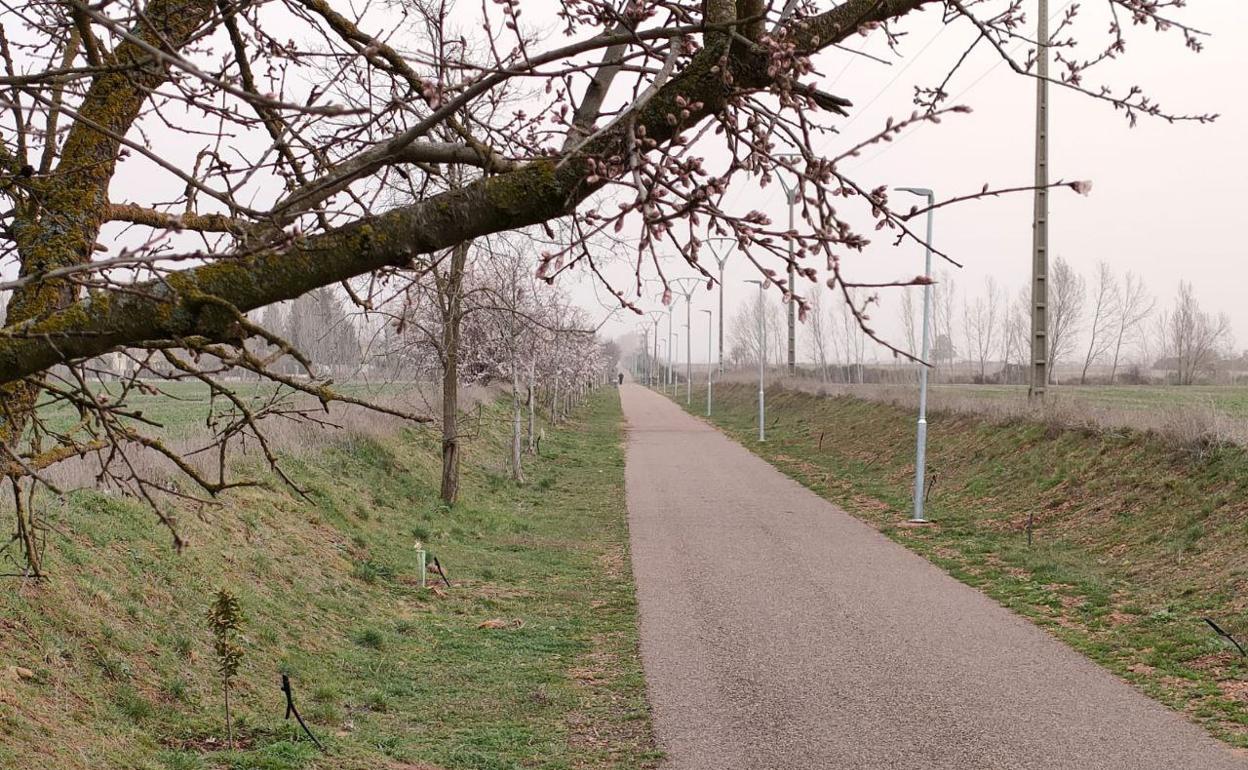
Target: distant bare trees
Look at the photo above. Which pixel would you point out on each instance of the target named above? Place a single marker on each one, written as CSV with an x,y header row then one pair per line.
x,y
1067,297
1104,311
982,320
748,332
1134,306
909,334
822,334
1018,333
944,316
1192,336
852,335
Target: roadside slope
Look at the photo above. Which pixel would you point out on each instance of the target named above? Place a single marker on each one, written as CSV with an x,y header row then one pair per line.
x,y
1134,539
116,657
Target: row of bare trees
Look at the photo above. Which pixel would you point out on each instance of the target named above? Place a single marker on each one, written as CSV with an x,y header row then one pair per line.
x,y
1100,327
1103,322
170,166
481,316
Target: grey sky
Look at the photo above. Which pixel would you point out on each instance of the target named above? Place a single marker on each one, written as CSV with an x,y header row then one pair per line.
x,y
1165,200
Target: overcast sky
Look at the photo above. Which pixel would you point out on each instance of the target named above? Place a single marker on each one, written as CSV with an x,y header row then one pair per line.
x,y
1165,202
1166,198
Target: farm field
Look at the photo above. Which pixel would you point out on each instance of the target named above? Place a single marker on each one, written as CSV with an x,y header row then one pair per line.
x,y
186,408
1231,400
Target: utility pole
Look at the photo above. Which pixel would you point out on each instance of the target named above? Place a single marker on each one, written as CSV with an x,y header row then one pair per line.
x,y
655,315
790,194
721,259
1040,224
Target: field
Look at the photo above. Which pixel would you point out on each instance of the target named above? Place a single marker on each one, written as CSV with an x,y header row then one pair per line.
x,y
528,659
1186,414
1134,539
1230,400
184,409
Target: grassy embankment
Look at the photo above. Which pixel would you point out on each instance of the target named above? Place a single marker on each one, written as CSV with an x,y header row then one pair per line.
x,y
1134,539
109,663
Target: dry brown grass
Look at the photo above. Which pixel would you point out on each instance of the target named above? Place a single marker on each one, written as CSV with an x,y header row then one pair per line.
x,y
286,437
1192,427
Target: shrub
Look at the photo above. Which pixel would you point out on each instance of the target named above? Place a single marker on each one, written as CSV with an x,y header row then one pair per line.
x,y
225,619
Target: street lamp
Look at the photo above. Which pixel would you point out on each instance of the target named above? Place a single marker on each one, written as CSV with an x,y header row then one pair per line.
x,y
671,363
667,379
920,450
686,287
655,315
663,356
645,349
790,194
710,326
716,245
762,359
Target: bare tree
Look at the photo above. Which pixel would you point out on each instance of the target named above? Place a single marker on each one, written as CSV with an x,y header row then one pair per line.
x,y
944,320
286,155
747,333
982,319
777,333
820,334
1067,298
909,332
1018,335
1134,306
854,338
1193,337
1104,313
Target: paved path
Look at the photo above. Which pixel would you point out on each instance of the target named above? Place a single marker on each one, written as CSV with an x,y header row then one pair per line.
x,y
779,633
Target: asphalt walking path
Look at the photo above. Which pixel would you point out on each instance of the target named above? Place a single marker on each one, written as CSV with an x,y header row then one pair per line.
x,y
779,633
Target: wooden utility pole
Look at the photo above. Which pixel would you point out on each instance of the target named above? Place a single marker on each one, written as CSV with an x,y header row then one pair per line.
x,y
1040,224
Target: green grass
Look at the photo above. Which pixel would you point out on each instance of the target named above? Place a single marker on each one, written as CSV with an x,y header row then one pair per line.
x,y
1134,541
187,408
386,673
1230,400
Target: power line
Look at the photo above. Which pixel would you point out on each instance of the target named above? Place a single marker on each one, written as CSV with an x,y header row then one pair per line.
x,y
960,94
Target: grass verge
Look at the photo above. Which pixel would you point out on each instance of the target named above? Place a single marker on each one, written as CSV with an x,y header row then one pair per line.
x,y
1134,540
529,660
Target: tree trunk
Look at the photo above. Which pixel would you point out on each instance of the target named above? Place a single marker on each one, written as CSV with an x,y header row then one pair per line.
x,y
452,315
554,401
229,723
532,408
517,471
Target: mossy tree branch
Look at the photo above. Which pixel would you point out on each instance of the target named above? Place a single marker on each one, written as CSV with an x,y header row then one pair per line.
x,y
188,303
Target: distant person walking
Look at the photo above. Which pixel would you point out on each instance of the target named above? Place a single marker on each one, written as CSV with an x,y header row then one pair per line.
x,y
621,380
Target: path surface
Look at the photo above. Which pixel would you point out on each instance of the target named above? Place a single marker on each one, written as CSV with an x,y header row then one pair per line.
x,y
779,633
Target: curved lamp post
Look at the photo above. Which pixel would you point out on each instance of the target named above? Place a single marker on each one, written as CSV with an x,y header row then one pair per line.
x,y
686,287
920,450
655,317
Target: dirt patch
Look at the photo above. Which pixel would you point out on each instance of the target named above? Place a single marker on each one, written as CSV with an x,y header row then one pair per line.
x,y
1235,690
